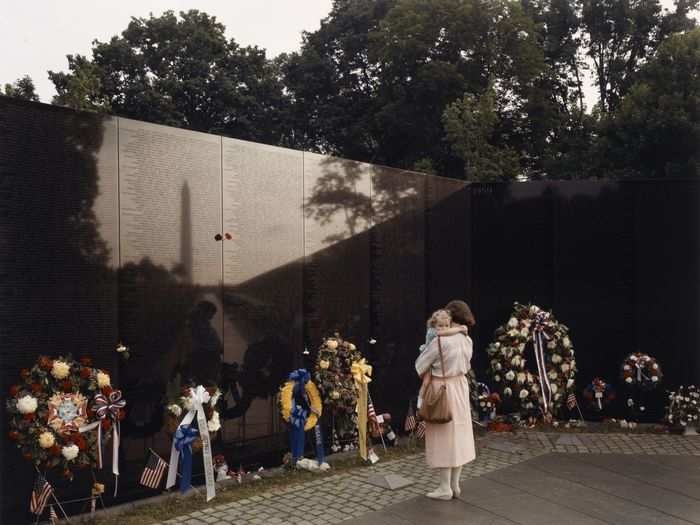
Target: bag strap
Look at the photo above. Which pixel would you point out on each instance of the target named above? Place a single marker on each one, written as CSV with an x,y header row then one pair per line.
x,y
442,360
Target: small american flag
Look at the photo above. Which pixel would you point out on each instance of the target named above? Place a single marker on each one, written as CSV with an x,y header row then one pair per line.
x,y
571,401
420,430
40,495
370,411
53,517
153,473
410,424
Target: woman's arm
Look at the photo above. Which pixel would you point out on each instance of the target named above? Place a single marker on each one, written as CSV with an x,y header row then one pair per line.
x,y
453,330
427,358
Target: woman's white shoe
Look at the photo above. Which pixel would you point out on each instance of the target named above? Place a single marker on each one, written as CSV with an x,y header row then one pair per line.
x,y
443,491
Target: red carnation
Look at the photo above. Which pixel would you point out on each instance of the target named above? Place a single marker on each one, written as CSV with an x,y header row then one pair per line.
x,y
45,362
106,424
107,390
27,456
83,466
122,415
86,361
55,450
67,386
36,388
29,417
80,442
67,474
14,390
85,373
14,435
25,373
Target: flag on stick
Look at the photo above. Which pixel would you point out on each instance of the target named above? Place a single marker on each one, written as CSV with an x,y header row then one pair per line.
x,y
571,401
53,517
153,473
420,430
410,423
40,495
370,411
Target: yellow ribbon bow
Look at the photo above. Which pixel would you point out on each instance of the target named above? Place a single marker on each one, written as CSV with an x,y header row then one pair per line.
x,y
361,372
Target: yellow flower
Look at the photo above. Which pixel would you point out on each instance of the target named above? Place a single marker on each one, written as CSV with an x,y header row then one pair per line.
x,y
323,363
332,344
60,369
103,379
46,440
315,404
335,394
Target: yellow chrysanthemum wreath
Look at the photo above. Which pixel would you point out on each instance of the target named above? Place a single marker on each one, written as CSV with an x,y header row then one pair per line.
x,y
315,404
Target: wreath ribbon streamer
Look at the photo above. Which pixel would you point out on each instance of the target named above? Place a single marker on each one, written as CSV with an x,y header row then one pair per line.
x,y
108,407
184,437
299,414
198,396
538,337
361,373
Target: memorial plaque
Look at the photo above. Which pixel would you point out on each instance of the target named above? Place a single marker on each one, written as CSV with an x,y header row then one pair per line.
x,y
170,308
336,248
398,269
58,224
262,196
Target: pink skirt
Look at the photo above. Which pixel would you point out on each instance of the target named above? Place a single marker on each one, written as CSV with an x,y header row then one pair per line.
x,y
451,444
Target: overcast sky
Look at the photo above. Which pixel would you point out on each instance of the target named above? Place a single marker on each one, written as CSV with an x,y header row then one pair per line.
x,y
36,35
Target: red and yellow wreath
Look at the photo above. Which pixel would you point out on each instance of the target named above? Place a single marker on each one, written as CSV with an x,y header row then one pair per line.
x,y
50,404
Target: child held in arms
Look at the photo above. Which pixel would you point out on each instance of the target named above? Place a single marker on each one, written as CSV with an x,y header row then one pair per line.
x,y
439,324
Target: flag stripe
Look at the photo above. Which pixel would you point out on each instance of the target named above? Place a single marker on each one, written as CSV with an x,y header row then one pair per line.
x,y
40,495
153,472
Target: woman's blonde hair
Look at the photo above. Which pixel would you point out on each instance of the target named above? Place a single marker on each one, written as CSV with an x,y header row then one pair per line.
x,y
437,314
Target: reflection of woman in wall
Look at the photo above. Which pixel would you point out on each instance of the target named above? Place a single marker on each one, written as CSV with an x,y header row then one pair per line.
x,y
207,350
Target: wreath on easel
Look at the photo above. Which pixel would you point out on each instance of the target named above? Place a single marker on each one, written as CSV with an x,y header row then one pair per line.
x,y
55,407
549,344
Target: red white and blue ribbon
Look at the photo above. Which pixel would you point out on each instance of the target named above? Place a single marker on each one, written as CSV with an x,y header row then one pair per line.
x,y
538,337
108,407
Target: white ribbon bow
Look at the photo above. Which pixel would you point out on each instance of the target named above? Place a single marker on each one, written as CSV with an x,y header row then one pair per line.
x,y
199,396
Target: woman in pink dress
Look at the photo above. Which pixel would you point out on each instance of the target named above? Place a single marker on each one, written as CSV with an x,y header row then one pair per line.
x,y
450,445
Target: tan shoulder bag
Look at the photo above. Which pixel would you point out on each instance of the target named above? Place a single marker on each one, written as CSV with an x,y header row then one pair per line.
x,y
435,408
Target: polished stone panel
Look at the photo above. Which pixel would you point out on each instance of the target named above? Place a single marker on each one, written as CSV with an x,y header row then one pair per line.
x,y
262,197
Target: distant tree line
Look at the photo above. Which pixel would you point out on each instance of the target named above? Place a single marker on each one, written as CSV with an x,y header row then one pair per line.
x,y
482,90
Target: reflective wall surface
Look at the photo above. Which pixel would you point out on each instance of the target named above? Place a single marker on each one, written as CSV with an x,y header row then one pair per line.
x,y
109,232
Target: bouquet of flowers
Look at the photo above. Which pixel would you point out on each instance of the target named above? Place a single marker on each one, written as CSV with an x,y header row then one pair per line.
x,y
176,410
683,407
641,370
598,395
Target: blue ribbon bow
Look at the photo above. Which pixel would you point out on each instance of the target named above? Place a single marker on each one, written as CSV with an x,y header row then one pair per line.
x,y
299,413
184,437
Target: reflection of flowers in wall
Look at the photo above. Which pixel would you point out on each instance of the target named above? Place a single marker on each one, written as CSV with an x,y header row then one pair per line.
x,y
683,407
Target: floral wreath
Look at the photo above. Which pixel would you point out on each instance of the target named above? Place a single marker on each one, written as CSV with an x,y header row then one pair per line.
x,y
333,375
176,410
55,400
598,394
683,406
641,370
312,396
512,381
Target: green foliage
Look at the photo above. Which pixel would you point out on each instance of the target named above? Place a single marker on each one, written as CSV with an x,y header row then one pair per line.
x,y
470,124
23,88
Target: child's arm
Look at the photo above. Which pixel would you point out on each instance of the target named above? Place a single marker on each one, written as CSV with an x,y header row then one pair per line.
x,y
452,330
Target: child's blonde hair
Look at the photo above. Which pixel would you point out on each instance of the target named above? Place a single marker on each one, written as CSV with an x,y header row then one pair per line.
x,y
438,314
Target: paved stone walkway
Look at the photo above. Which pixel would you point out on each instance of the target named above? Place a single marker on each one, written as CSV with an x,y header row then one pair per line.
x,y
348,496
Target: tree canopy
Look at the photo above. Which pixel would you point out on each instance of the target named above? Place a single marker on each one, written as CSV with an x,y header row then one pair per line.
x,y
473,89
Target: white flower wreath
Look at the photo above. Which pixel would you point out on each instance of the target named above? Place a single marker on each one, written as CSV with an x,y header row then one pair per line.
x,y
507,354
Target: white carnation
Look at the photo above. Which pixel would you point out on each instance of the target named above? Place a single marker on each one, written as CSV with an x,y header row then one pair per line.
x,y
175,410
510,375
628,380
655,366
507,392
551,345
524,331
521,346
498,366
557,396
513,332
524,393
27,404
626,367
497,378
556,358
554,388
565,367
214,424
566,342
60,369
521,377
553,375
187,403
70,452
654,378
570,383
515,361
512,322
215,398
